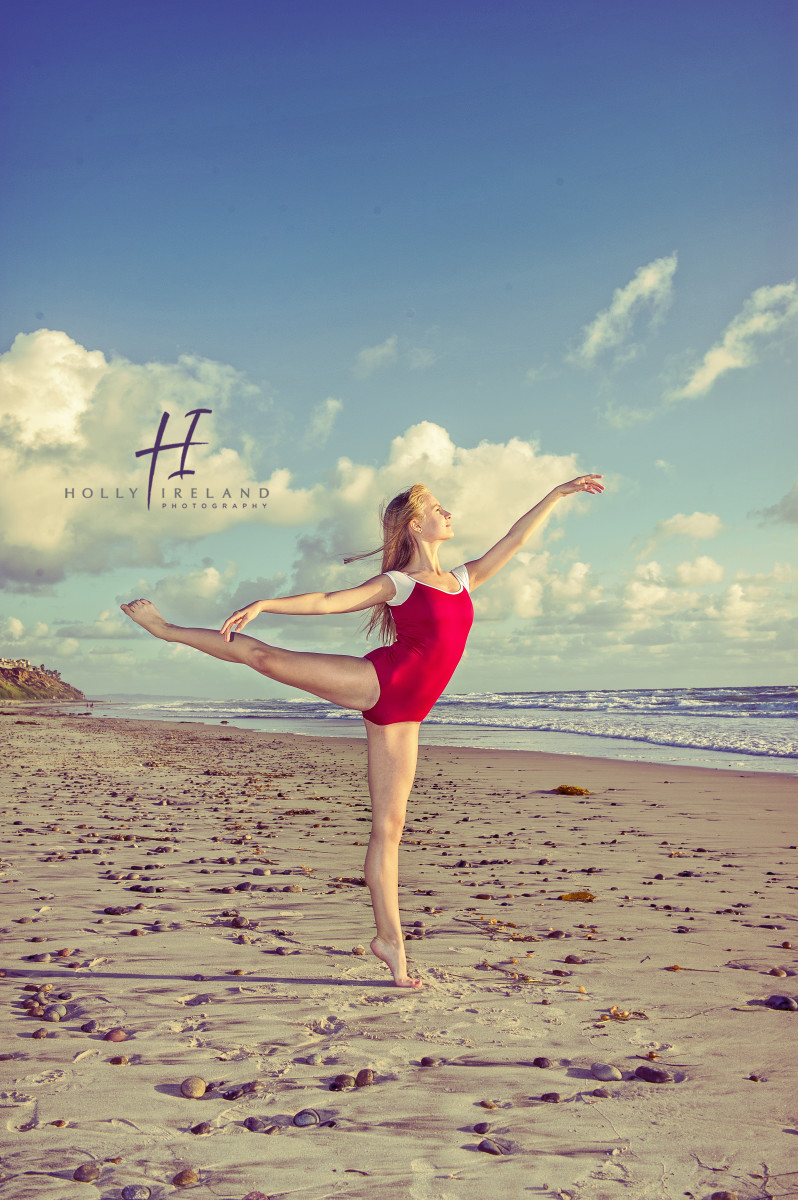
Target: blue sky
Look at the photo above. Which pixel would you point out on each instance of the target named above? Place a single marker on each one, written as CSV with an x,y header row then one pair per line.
x,y
485,248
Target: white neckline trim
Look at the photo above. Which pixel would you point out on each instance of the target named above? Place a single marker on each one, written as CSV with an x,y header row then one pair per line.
x,y
432,585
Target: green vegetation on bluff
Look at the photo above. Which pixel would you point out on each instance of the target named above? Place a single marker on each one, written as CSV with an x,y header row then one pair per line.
x,y
19,680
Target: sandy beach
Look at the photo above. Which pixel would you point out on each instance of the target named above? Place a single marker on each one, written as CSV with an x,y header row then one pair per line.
x,y
200,889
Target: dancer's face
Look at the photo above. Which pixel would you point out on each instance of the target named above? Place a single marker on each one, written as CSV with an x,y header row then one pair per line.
x,y
436,522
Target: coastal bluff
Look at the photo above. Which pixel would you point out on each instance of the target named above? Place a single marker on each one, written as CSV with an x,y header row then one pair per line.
x,y
19,680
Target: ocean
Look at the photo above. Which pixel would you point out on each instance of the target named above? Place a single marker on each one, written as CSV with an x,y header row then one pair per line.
x,y
744,728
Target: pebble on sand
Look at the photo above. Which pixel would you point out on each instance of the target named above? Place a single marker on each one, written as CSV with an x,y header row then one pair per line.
x,y
541,1062
185,1178
653,1075
307,1116
602,1093
426,1061
358,950
364,1077
342,1082
203,1127
551,1097
724,1196
255,1124
488,1104
89,1027
489,1147
115,1035
605,1072
86,1173
193,1087
783,1002
773,971
482,1127
136,1191
120,1060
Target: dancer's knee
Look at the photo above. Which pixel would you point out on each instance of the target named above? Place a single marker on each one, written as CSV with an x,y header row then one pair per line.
x,y
262,659
388,829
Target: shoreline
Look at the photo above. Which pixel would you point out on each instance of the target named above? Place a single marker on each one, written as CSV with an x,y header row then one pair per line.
x,y
200,889
452,736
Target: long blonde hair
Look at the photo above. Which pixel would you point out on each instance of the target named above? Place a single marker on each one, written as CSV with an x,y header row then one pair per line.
x,y
398,548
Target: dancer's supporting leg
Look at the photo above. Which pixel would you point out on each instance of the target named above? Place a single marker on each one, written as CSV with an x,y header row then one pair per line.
x,y
393,751
345,680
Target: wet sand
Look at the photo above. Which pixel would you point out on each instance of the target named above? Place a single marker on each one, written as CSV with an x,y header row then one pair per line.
x,y
200,888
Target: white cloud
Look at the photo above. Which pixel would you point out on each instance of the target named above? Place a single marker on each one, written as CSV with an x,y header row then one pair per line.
x,y
373,358
574,590
651,289
781,573
390,353
322,419
486,487
72,420
764,314
200,597
36,642
736,612
696,525
701,570
108,625
12,629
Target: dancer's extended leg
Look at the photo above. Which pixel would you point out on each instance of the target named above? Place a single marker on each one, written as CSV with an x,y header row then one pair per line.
x,y
393,750
345,680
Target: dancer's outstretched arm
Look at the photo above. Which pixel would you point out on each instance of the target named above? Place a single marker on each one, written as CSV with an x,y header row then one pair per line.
x,y
314,604
494,559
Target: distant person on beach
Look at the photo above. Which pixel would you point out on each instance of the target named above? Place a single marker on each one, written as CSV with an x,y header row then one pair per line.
x,y
424,615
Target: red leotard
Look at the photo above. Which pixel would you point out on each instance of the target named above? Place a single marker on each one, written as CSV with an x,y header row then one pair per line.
x,y
431,631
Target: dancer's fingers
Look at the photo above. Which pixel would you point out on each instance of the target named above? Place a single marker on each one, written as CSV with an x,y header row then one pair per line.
x,y
230,626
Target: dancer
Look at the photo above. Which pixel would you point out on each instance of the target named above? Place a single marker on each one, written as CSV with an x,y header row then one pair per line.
x,y
425,615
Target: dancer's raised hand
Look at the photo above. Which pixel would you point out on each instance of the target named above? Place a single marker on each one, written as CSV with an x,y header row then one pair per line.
x,y
239,619
585,483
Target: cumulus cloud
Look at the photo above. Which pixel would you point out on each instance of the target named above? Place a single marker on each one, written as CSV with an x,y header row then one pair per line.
x,y
736,612
204,596
71,419
697,525
785,509
701,570
765,313
649,291
35,641
108,625
486,487
322,419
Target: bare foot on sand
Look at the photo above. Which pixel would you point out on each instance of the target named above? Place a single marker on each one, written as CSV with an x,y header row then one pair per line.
x,y
144,613
394,957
